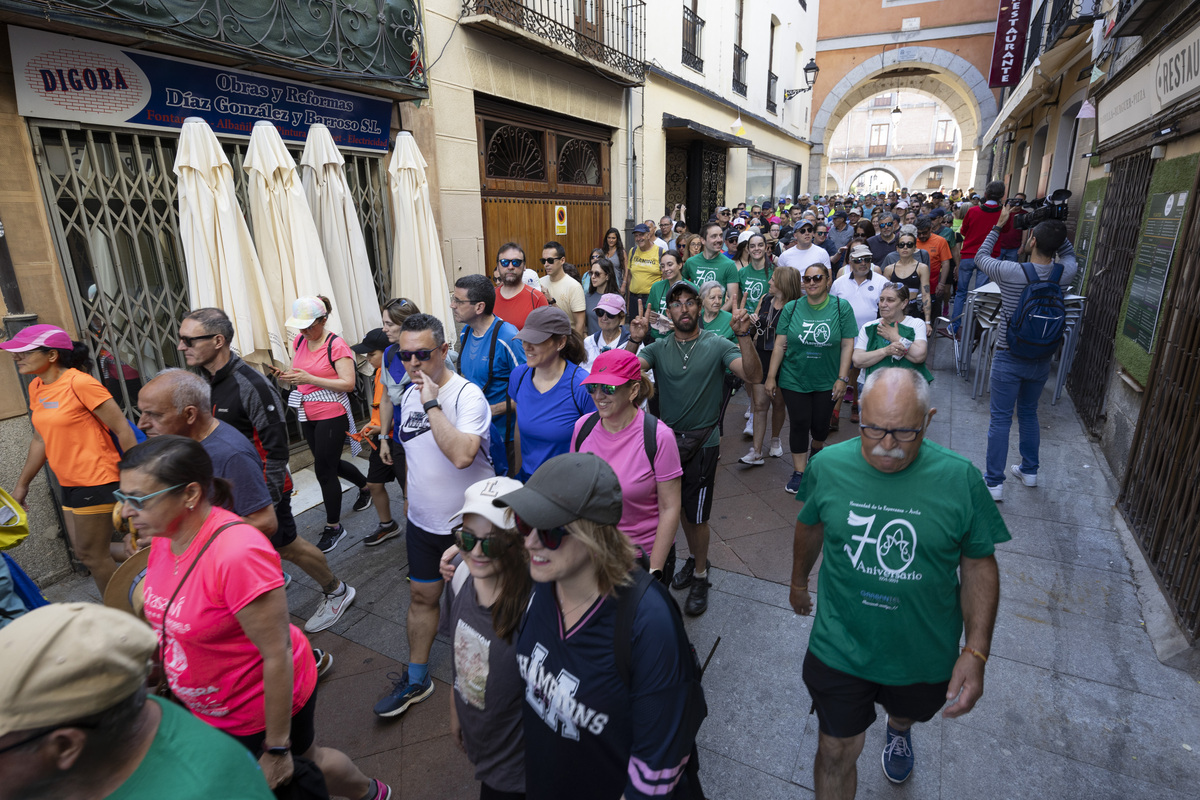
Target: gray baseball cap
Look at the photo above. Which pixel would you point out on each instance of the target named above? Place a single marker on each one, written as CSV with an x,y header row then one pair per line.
x,y
566,488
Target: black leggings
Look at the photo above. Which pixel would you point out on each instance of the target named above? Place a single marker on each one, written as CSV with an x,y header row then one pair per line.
x,y
488,793
808,413
326,438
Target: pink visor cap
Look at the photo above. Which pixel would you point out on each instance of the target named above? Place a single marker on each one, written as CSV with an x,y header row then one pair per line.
x,y
36,336
615,368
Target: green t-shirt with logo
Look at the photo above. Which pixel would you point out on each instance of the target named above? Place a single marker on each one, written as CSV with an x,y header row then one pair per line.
x,y
753,283
814,343
888,607
657,301
722,325
721,269
690,389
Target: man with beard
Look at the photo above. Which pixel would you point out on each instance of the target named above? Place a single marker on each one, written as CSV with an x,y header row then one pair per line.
x,y
514,299
689,368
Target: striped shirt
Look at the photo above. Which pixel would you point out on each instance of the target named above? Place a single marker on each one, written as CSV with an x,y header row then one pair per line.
x,y
1011,276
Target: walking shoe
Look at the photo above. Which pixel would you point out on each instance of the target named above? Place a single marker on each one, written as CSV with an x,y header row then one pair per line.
x,y
331,609
683,578
1027,479
697,599
331,537
287,581
898,755
793,484
854,413
384,531
749,411
749,431
834,422
403,694
776,448
324,662
752,459
379,790
364,500
997,492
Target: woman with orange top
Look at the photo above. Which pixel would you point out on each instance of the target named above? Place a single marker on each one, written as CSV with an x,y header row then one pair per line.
x,y
74,420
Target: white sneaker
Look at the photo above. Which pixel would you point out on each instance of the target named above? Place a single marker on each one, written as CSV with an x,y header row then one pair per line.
x,y
997,492
1028,480
330,610
749,431
776,448
752,459
749,413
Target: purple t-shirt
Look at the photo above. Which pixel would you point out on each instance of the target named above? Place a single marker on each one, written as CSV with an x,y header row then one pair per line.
x,y
625,452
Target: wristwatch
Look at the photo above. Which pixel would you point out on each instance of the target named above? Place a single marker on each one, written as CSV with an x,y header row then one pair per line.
x,y
844,380
278,752
434,403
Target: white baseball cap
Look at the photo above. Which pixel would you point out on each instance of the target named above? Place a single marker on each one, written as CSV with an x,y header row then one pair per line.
x,y
478,500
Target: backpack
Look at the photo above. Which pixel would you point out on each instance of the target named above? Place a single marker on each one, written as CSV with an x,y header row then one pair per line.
x,y
649,434
353,393
1036,328
510,449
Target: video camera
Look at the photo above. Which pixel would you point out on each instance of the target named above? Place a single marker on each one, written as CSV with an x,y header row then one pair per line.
x,y
1042,209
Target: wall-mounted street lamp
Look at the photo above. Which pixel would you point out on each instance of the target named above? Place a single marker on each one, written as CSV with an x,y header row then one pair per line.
x,y
810,77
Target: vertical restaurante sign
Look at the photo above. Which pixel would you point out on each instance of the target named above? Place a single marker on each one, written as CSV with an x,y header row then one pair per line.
x,y
1008,50
65,78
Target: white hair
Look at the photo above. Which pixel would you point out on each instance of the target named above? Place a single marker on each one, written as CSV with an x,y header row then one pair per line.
x,y
708,286
887,374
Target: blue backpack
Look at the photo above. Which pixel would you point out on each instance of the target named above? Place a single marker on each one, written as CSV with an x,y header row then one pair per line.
x,y
1036,328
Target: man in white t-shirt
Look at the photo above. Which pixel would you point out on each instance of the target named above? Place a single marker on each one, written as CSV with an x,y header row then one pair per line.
x,y
561,289
443,424
804,254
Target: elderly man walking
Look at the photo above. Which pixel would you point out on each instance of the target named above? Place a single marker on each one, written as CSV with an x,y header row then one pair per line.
x,y
893,606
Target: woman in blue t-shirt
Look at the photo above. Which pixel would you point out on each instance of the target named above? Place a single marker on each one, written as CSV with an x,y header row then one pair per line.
x,y
548,388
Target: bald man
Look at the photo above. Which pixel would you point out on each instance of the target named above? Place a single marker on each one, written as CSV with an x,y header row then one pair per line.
x,y
180,403
896,518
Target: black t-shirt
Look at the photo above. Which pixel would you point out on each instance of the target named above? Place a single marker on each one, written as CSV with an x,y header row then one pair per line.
x,y
881,249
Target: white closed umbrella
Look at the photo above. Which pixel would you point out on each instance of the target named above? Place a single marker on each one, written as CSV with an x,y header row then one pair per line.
x,y
222,265
417,271
336,218
289,248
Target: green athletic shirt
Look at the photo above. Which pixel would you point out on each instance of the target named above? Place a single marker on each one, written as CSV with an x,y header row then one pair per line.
x,y
191,760
691,398
888,607
814,343
753,285
657,301
721,269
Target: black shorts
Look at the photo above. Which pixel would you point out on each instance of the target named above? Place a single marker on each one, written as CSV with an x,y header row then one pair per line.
x,y
89,499
845,705
303,732
699,477
285,532
379,472
425,552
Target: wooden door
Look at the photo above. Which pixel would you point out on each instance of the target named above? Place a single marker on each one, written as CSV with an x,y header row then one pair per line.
x,y
531,223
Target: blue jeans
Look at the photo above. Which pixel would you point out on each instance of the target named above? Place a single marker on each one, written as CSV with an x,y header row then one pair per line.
x,y
966,275
1007,254
1019,382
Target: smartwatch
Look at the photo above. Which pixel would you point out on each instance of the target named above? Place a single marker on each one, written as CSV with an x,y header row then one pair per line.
x,y
278,752
434,403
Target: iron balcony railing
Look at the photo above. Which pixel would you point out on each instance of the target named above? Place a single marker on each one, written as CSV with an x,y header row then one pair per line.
x,y
739,70
613,34
693,28
772,84
1068,14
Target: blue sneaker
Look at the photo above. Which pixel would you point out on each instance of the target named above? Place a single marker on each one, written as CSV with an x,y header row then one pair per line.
x,y
793,485
403,695
898,755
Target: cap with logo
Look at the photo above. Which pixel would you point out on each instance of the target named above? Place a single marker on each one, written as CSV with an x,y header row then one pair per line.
x,y
614,368
478,497
36,336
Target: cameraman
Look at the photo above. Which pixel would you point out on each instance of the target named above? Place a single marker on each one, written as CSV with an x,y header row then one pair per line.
x,y
1012,239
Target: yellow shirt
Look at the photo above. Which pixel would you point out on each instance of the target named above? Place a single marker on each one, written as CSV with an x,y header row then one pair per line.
x,y
643,269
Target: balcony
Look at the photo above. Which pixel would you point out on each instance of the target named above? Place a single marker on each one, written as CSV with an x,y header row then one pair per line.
x,y
772,85
739,70
1067,17
609,37
377,43
1140,17
693,27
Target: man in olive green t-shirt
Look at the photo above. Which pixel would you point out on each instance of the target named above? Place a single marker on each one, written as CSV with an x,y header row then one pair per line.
x,y
713,265
896,519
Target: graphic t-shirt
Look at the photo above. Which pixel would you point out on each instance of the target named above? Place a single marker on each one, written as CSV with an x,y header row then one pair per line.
x,y
814,343
236,460
721,269
691,390
189,760
435,485
473,364
643,269
658,302
211,664
316,363
546,419
594,738
889,609
625,452
721,325
516,309
78,447
753,283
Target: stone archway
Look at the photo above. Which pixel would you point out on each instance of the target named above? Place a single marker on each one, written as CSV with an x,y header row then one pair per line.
x,y
953,80
918,173
878,166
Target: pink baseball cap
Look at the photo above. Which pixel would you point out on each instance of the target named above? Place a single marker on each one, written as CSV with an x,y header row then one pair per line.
x,y
36,336
615,368
612,303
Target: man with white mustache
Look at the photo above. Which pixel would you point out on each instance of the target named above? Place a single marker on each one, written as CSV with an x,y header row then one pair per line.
x,y
897,520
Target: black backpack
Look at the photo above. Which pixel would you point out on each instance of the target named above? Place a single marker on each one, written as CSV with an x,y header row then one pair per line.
x,y
1036,328
649,434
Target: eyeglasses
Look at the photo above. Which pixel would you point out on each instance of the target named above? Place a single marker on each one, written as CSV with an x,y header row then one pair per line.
x,y
550,260
899,434
906,244
608,390
190,341
512,262
551,539
602,314
139,503
812,278
678,304
419,355
454,301
490,546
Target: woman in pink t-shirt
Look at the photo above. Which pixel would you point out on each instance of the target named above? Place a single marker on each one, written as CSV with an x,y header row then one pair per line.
x,y
650,493
323,372
227,647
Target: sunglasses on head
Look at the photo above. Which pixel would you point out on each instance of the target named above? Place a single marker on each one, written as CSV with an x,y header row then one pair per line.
x,y
512,262
419,355
490,546
139,503
602,314
190,341
605,388
551,539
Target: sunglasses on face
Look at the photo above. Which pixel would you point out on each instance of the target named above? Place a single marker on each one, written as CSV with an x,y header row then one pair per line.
x,y
419,355
190,341
551,539
490,546
860,260
139,503
603,388
812,278
887,224
602,314
821,233
906,244
548,260
597,275
512,262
